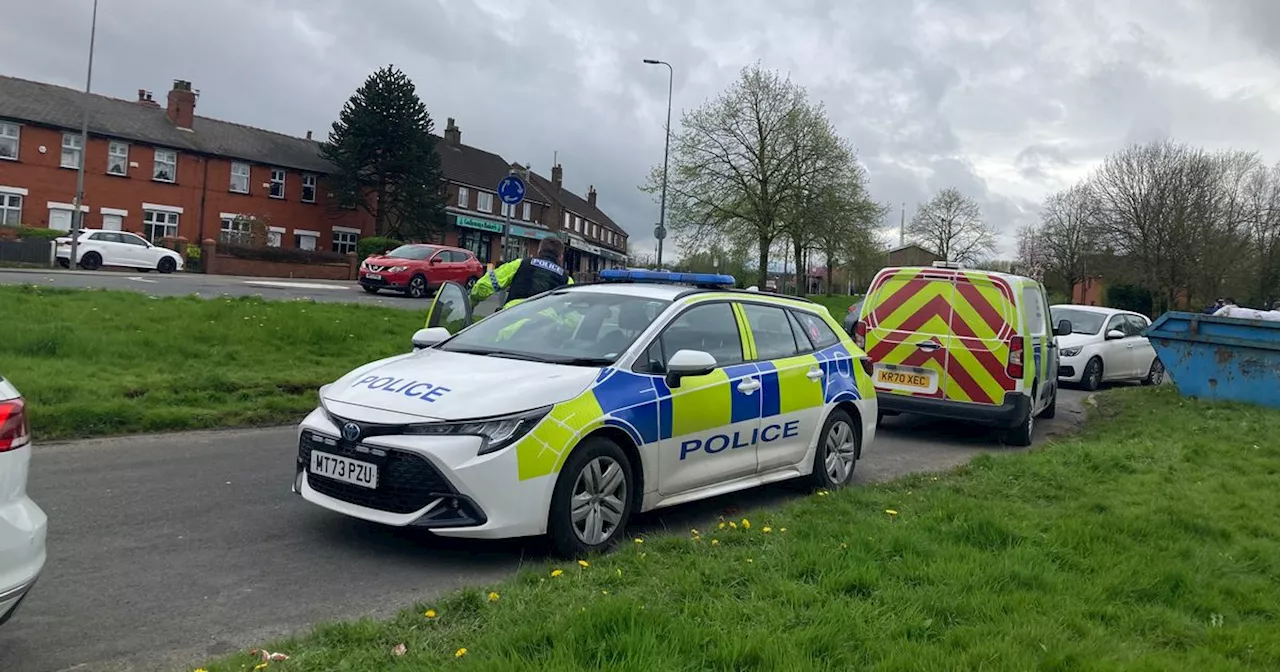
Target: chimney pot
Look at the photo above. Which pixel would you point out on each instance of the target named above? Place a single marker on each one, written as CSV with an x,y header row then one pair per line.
x,y
182,104
591,196
308,135
557,176
452,134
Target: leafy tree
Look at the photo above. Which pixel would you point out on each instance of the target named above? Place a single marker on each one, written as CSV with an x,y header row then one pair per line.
x,y
951,225
385,160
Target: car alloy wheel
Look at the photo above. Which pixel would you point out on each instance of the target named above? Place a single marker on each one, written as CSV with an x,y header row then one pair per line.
x,y
1093,375
418,287
1156,375
841,453
91,261
599,500
167,265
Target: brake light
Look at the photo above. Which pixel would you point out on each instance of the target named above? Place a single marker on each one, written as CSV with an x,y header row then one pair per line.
x,y
860,334
1015,358
867,366
14,432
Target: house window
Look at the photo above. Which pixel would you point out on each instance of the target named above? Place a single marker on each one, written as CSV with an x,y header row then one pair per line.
x,y
240,178
157,224
484,201
344,242
508,210
308,188
236,230
10,209
277,183
118,158
71,150
305,240
566,221
274,236
464,197
165,168
528,210
9,141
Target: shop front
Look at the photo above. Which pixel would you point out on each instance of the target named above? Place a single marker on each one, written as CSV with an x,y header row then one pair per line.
x,y
483,238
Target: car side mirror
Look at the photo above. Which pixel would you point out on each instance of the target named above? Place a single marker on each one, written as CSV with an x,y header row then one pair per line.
x,y
435,260
426,338
1064,328
689,363
1114,334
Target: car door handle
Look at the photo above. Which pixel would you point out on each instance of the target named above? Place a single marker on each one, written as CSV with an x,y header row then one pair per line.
x,y
814,374
748,385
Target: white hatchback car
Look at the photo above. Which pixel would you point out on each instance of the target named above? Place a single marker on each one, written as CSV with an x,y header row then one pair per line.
x,y
22,523
97,248
1105,345
569,412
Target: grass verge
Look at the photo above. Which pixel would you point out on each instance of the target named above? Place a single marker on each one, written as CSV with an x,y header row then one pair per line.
x,y
838,304
93,363
1150,542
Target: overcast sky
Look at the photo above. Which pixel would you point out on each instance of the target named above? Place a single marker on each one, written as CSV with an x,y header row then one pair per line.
x,y
1007,100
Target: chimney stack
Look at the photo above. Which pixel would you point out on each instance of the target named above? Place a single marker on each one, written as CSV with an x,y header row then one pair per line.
x,y
452,134
182,104
145,100
308,135
557,177
591,196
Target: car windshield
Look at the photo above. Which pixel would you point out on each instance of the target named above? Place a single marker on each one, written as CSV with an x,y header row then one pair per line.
x,y
567,327
1082,321
412,252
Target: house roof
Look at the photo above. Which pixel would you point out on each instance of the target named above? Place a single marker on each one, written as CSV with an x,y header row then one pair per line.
x,y
475,167
573,202
908,246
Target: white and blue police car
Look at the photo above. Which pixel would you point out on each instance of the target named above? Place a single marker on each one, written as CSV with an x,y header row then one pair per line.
x,y
566,413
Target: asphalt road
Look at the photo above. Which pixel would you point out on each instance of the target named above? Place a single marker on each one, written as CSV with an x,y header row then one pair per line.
x,y
209,286
164,550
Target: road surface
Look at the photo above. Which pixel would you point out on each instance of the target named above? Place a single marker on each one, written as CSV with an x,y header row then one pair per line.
x,y
167,549
209,286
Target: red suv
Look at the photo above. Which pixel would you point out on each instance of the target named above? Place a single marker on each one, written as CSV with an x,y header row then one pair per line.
x,y
416,269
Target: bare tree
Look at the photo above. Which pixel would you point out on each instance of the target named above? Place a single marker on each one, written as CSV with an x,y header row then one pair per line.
x,y
1070,228
952,226
1032,251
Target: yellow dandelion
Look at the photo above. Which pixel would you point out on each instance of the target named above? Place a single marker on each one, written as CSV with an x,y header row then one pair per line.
x,y
822,493
715,542
619,571
844,545
556,572
430,613
891,512
260,666
604,592
638,540
584,564
694,532
766,529
198,669
750,560
783,530
460,652
722,525
733,525
494,597
746,524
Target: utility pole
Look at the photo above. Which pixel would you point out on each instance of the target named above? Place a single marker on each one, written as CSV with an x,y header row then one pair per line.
x,y
902,226
77,216
661,231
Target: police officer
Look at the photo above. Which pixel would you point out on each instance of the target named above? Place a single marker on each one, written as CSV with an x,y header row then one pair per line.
x,y
525,277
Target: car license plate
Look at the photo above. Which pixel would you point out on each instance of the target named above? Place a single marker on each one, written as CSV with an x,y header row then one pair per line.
x,y
373,276
344,469
905,379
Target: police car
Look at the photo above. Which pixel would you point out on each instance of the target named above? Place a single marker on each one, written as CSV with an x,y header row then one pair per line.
x,y
567,413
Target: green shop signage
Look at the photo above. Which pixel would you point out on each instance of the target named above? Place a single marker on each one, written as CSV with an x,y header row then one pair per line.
x,y
482,224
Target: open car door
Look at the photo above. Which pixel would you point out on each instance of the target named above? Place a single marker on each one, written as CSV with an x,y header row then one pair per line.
x,y
451,308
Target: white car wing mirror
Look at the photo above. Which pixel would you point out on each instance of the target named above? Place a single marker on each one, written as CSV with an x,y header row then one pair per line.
x,y
689,363
426,338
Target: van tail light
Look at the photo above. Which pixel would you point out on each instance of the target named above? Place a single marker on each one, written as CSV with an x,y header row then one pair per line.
x,y
14,432
867,365
860,334
1015,358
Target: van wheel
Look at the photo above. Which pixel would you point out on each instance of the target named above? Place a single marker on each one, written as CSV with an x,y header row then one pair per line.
x,y
1092,378
837,453
592,501
1020,436
1052,409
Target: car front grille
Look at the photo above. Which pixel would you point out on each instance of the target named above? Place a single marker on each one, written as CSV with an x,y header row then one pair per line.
x,y
1066,371
406,481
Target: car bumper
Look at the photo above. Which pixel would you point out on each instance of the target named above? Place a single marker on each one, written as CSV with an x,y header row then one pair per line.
x,y
429,482
386,281
23,527
1006,415
1071,369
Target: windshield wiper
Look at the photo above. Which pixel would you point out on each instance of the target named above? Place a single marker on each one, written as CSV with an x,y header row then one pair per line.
x,y
584,361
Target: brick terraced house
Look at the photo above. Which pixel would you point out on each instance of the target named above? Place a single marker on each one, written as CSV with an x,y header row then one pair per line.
x,y
165,172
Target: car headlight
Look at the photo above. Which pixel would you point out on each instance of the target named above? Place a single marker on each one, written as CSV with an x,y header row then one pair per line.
x,y
397,269
1072,352
498,433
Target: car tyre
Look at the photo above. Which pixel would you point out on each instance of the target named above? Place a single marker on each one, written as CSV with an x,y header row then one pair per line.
x,y
1155,375
91,261
1052,409
369,290
838,449
592,500
167,265
1091,380
417,287
65,263
1022,434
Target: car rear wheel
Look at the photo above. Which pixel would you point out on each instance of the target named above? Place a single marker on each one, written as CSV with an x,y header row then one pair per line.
x,y
91,261
167,265
417,287
837,453
1092,378
592,500
1155,375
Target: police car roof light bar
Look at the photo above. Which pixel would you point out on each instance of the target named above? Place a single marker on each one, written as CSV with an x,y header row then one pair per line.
x,y
714,280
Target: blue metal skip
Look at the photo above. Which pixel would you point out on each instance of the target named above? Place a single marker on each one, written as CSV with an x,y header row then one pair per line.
x,y
1220,358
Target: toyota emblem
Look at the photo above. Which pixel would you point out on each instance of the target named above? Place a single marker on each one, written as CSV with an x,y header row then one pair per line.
x,y
351,432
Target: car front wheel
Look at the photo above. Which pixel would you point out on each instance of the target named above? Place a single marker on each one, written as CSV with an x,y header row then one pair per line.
x,y
91,261
1092,378
592,500
167,265
417,287
837,453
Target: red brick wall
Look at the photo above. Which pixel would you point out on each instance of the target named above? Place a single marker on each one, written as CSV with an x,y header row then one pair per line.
x,y
41,174
217,264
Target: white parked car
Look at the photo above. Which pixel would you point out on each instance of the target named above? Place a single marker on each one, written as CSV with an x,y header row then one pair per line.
x,y
1105,345
22,523
569,412
97,248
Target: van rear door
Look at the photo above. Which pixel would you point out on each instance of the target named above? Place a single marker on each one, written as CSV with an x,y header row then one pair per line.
x,y
907,315
984,338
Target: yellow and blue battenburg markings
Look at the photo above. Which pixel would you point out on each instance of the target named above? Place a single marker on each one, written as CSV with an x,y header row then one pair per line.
x,y
646,409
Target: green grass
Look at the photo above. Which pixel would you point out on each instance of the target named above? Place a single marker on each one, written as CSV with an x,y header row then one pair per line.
x,y
837,304
1150,542
93,363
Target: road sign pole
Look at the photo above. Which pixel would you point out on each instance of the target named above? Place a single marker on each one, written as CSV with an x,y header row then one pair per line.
x,y
511,193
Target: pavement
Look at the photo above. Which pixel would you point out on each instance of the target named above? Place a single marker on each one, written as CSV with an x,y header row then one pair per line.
x,y
208,286
168,549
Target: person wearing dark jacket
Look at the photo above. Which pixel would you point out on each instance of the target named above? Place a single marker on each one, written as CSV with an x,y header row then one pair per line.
x,y
525,277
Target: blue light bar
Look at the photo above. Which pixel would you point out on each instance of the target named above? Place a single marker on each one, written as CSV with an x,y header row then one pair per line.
x,y
640,275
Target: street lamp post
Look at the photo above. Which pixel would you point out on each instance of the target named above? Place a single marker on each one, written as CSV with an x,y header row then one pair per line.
x,y
77,216
666,155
